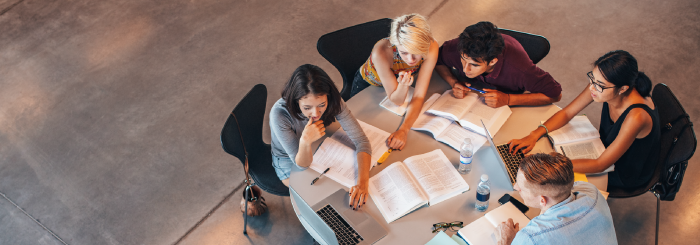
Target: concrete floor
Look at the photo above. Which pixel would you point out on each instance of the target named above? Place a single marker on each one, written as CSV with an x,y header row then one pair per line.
x,y
111,110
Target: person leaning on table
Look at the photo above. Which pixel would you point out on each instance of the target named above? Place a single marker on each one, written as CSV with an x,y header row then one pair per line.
x,y
481,53
409,47
310,102
570,212
629,122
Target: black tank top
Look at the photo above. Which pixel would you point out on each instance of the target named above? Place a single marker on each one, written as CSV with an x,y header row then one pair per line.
x,y
636,166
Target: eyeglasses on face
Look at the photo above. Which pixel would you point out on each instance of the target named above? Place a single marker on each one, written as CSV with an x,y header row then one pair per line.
x,y
447,225
597,86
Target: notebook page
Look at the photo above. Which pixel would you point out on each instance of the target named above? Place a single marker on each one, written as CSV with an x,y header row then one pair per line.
x,y
339,158
436,174
504,212
579,128
395,192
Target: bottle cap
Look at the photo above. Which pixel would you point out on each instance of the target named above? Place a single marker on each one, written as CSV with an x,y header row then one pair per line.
x,y
484,177
467,140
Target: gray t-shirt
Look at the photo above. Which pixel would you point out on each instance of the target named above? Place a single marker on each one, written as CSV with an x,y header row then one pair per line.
x,y
286,131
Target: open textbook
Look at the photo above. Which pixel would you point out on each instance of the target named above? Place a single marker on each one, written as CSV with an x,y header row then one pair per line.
x,y
445,130
470,111
338,153
483,230
420,180
579,139
399,110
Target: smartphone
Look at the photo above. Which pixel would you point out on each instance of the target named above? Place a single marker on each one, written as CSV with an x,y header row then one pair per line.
x,y
507,198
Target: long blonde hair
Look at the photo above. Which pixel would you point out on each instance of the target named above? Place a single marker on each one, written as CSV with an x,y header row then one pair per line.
x,y
412,32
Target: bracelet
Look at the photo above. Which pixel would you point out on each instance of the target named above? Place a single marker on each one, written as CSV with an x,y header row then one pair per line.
x,y
545,128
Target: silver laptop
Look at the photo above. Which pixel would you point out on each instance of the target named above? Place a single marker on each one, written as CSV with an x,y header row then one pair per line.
x,y
336,223
509,162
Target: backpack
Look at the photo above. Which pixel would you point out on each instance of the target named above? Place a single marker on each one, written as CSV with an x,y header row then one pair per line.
x,y
678,142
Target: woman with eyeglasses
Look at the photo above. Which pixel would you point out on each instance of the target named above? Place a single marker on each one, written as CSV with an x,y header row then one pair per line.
x,y
629,124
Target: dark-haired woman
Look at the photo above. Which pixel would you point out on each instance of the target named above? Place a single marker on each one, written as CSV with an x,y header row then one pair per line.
x,y
310,102
629,124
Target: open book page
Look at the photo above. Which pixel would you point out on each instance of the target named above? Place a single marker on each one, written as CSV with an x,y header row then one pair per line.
x,y
579,128
431,123
396,192
493,118
376,136
587,149
483,230
436,175
339,158
504,212
429,102
450,107
397,109
454,135
480,232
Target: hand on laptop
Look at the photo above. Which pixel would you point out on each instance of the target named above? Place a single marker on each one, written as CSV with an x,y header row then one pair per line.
x,y
524,145
359,195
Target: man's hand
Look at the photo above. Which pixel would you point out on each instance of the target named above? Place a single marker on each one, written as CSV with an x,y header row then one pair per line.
x,y
359,195
313,131
459,90
495,98
397,140
505,232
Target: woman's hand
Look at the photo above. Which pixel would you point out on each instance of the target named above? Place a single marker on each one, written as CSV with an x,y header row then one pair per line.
x,y
313,131
397,140
405,78
524,145
359,194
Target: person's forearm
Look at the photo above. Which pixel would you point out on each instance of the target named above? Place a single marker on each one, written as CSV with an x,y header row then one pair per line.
x,y
399,94
531,99
305,155
414,108
588,166
555,122
363,166
446,74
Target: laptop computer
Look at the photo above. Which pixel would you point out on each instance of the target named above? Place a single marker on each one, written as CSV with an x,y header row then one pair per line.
x,y
336,223
509,162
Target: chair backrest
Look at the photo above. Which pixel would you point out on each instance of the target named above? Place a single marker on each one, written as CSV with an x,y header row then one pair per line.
x,y
250,113
678,141
536,46
347,49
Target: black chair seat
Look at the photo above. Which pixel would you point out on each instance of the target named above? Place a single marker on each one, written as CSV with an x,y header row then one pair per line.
x,y
347,49
536,46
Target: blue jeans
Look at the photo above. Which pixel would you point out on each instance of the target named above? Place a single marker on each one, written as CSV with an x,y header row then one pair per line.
x,y
283,166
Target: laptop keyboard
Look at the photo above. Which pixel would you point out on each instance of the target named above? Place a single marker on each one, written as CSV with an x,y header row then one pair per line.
x,y
343,231
512,160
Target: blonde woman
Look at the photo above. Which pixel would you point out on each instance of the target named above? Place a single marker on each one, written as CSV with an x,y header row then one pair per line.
x,y
393,64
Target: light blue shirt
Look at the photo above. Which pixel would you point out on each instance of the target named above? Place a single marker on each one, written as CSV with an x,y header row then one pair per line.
x,y
583,218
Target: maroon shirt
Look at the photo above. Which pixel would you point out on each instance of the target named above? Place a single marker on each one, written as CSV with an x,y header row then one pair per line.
x,y
514,73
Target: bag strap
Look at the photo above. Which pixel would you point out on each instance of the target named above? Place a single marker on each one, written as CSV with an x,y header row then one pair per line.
x,y
245,166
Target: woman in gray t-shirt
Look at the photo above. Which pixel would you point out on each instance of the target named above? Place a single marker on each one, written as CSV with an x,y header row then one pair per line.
x,y
310,102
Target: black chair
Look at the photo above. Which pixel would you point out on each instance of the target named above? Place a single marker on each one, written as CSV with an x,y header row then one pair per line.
x,y
677,146
347,49
250,112
536,46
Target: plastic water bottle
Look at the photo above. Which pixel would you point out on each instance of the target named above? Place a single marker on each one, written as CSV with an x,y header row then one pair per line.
x,y
465,157
483,192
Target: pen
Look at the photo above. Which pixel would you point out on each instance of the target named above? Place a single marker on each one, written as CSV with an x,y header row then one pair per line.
x,y
477,90
384,157
319,176
562,150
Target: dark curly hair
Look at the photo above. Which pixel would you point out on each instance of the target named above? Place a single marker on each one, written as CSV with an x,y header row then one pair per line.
x,y
311,79
481,41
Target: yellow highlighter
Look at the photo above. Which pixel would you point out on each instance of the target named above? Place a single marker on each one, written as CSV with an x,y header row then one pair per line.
x,y
384,157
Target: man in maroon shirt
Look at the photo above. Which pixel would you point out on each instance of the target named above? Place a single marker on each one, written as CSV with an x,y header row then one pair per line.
x,y
481,54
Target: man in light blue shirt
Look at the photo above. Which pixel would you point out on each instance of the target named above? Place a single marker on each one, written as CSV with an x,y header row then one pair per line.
x,y
571,213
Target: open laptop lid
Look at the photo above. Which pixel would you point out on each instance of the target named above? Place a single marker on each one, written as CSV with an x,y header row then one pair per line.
x,y
498,156
313,220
